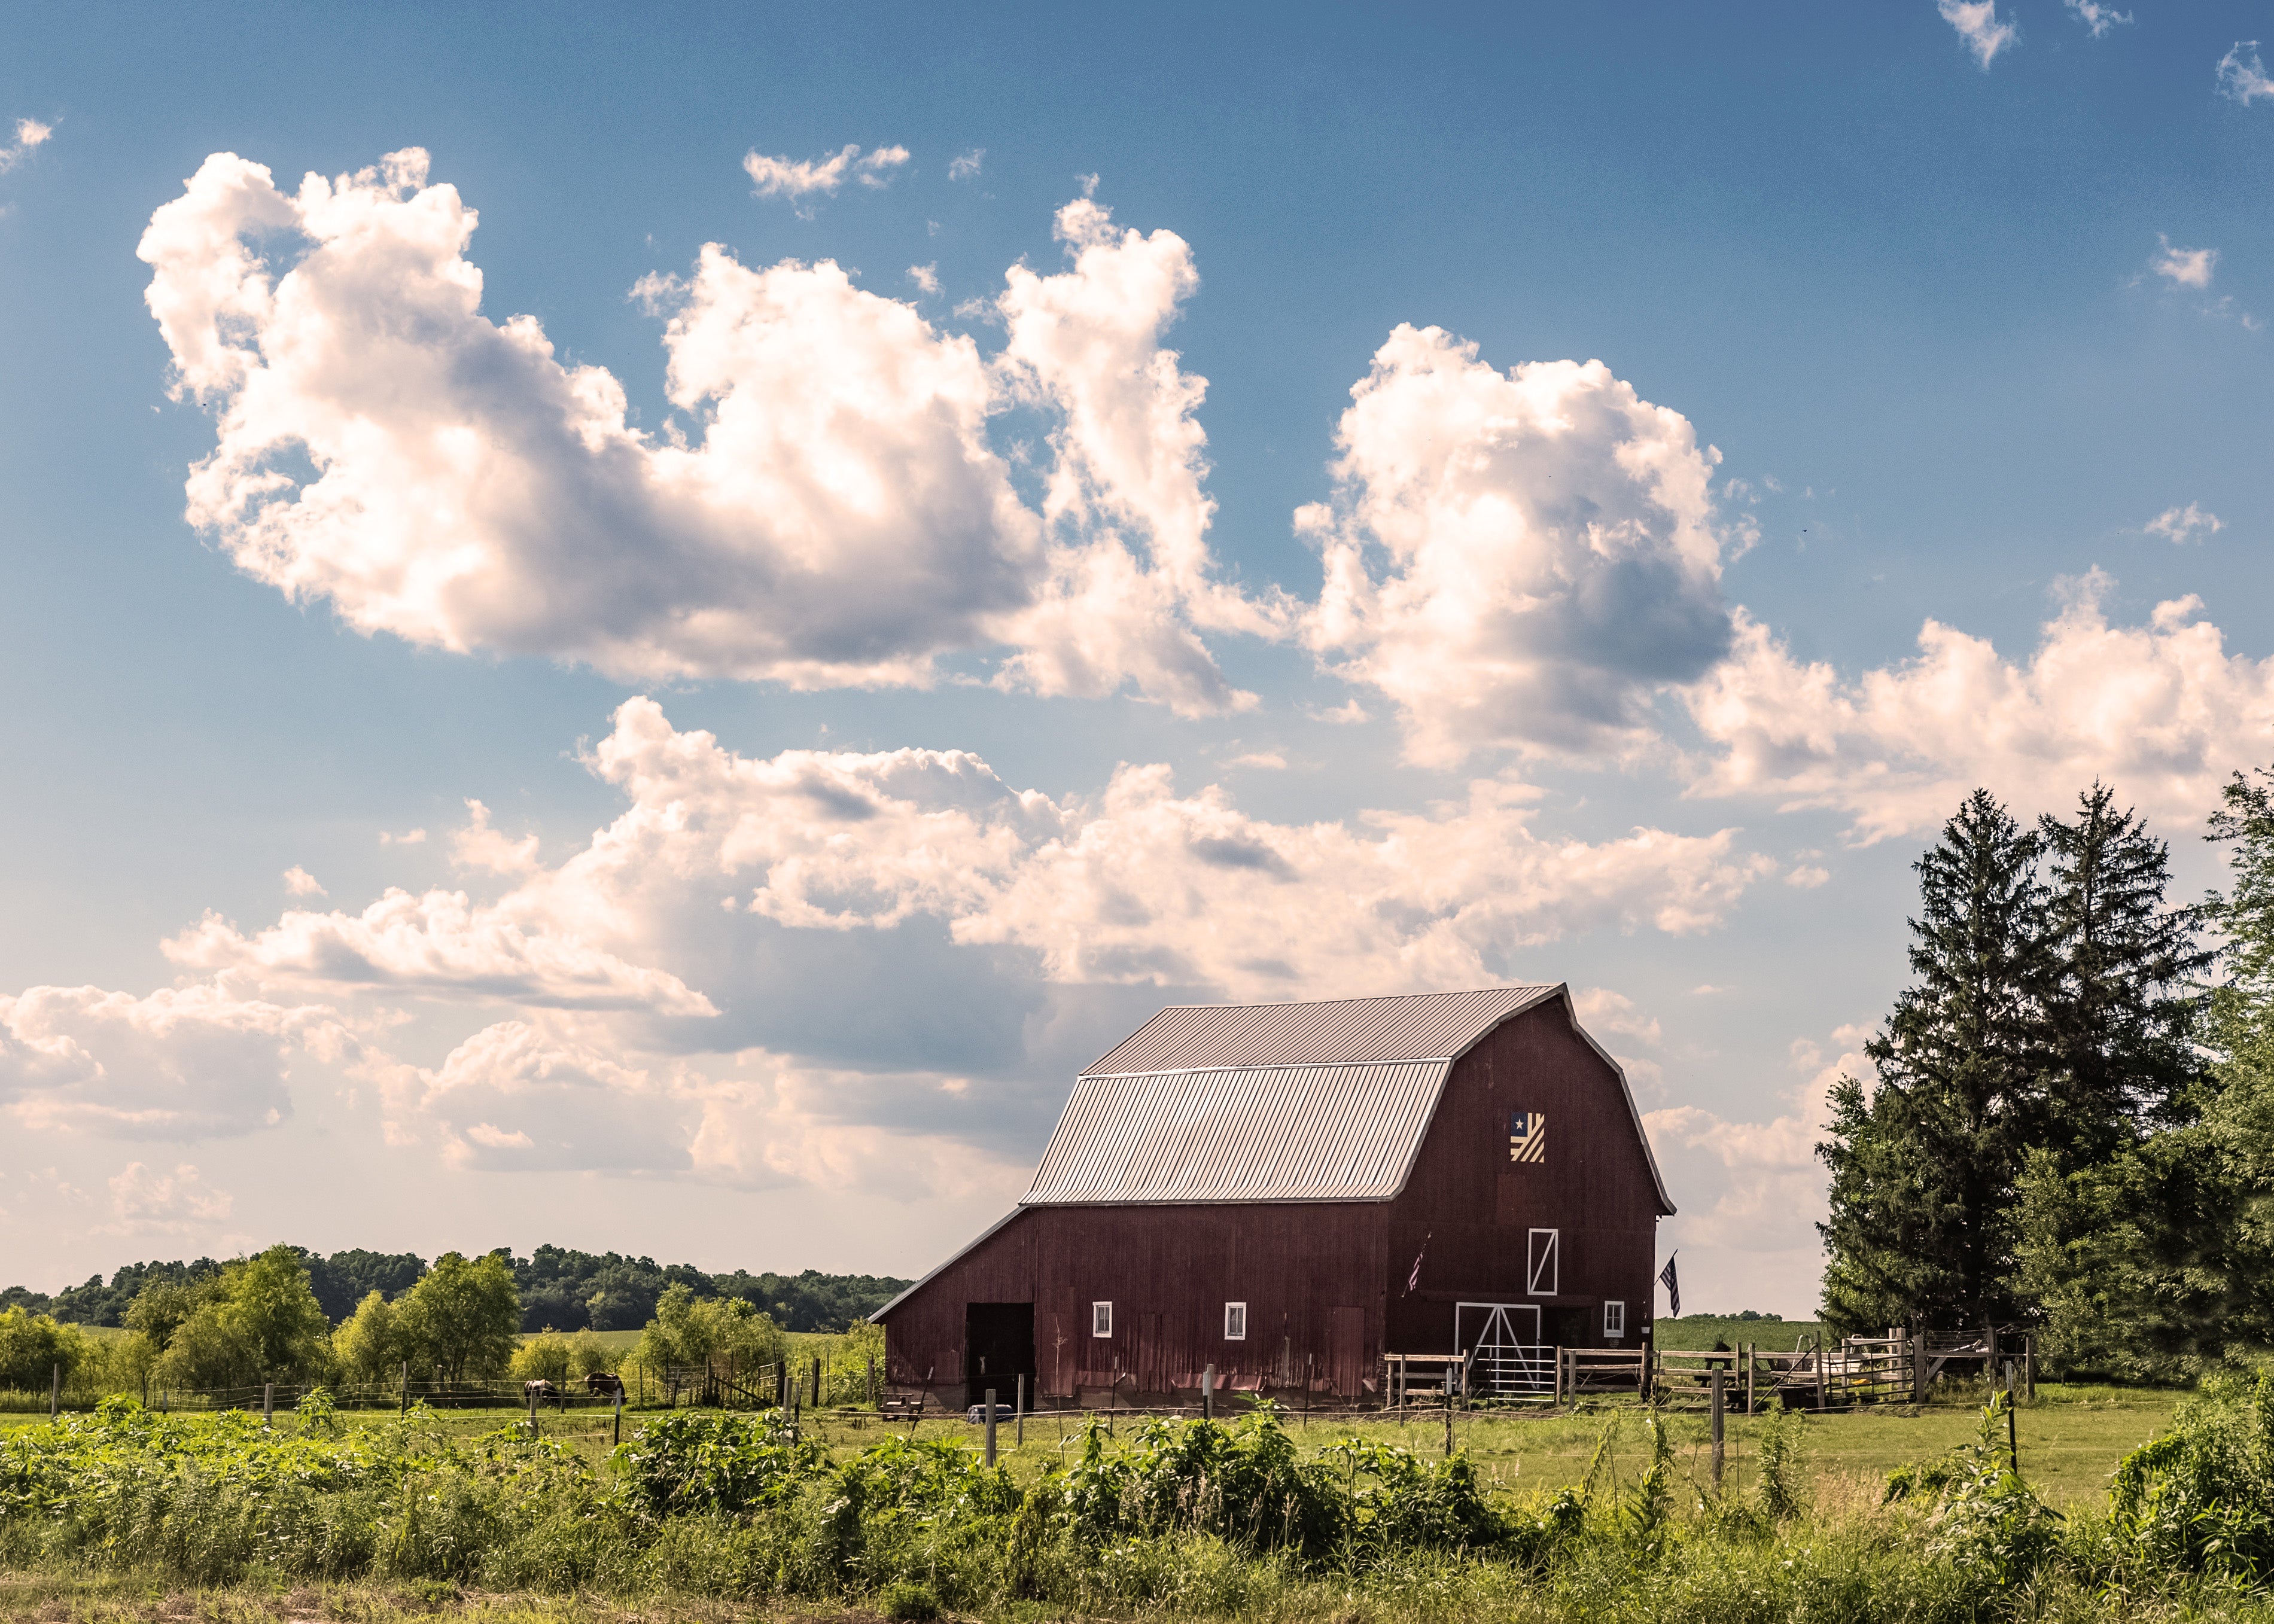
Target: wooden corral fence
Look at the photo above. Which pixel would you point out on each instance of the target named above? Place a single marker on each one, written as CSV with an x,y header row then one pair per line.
x,y
1815,1373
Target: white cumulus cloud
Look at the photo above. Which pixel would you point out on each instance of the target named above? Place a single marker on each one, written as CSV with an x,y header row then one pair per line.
x,y
1979,26
965,166
2183,525
183,1062
2097,18
2184,267
783,177
30,135
144,1200
1519,559
300,883
2242,75
842,519
2162,710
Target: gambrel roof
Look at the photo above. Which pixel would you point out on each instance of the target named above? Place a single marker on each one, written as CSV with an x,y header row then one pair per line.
x,y
1325,1102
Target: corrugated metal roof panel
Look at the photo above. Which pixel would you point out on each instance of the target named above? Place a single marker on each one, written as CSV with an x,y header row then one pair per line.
x,y
1430,1026
1271,1133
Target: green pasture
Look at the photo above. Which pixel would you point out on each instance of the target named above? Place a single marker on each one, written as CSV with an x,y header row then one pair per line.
x,y
2071,1437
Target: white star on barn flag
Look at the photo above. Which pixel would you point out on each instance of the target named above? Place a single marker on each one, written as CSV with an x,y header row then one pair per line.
x,y
1673,1284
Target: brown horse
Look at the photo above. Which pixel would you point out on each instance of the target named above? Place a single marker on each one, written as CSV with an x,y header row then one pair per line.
x,y
538,1391
601,1385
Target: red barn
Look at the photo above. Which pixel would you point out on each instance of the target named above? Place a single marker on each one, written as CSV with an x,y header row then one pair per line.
x,y
1290,1191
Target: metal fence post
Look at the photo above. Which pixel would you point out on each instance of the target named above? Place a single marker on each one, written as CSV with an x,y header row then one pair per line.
x,y
1717,1373
1208,1394
619,1437
991,1426
532,1411
872,1381
1021,1412
817,1382
267,1403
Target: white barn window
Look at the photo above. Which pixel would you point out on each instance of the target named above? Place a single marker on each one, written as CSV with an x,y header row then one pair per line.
x,y
1235,1322
1615,1319
1101,1318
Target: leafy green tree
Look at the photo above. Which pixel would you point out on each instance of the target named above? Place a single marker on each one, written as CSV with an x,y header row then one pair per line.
x,y
462,1317
545,1357
1923,1214
32,1346
689,1331
2122,1008
259,1322
371,1346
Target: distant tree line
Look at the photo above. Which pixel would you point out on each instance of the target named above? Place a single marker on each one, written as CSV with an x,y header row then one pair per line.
x,y
2071,1122
558,1289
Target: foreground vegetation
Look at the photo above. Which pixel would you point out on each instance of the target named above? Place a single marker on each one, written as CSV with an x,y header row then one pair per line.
x,y
1259,1518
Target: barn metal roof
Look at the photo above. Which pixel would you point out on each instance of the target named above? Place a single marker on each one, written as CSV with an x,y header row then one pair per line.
x,y
1429,1025
1271,1133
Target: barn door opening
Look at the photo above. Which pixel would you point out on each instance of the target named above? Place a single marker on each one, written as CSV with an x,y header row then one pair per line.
x,y
999,1348
1501,1343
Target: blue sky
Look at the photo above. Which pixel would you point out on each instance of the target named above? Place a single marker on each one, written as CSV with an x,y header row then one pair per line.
x,y
1977,343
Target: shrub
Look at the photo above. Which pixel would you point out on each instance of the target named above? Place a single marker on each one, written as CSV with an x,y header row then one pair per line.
x,y
717,1460
542,1358
904,1601
2200,1498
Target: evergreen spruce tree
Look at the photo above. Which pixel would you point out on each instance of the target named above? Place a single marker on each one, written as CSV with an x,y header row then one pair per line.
x,y
1924,1219
2146,1246
2122,1007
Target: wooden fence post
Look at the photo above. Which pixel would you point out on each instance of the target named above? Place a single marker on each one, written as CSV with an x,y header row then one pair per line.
x,y
1021,1412
1752,1351
2029,1366
267,1403
618,1436
55,1391
1819,1372
872,1381
406,1389
1716,1402
1208,1394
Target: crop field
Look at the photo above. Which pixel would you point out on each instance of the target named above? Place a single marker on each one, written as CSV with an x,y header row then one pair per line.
x,y
704,1515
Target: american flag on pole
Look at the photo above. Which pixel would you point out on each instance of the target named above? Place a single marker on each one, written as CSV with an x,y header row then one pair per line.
x,y
1413,1280
1671,1281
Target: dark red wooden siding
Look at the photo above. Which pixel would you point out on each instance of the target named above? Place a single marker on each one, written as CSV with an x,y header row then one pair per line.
x,y
1474,1208
1310,1274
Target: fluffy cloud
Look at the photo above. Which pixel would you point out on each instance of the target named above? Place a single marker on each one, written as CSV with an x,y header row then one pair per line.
x,y
2183,525
1755,1189
183,1062
1085,344
1142,883
551,1094
175,1203
300,883
1978,26
2184,267
2242,75
2099,19
30,135
842,518
2160,710
966,166
780,178
440,944
1515,559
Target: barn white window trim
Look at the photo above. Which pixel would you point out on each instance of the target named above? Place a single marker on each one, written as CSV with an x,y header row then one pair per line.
x,y
1101,1320
1615,1319
1543,1261
1235,1322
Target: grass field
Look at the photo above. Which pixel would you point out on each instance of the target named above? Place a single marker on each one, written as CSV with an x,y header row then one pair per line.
x,y
2071,1438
